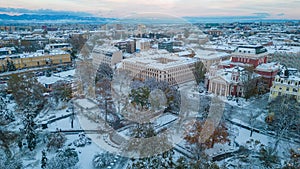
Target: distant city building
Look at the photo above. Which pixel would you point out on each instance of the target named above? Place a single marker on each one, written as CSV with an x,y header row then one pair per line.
x,y
167,45
38,31
7,51
186,53
162,67
143,45
128,46
141,29
106,54
196,38
61,46
118,27
214,32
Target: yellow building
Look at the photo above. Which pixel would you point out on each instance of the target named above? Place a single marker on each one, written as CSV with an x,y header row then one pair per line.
x,y
35,60
285,86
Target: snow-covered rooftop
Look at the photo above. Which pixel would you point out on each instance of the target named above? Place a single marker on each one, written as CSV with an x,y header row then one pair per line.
x,y
66,75
160,61
48,80
272,66
39,53
105,48
4,49
209,55
36,54
226,74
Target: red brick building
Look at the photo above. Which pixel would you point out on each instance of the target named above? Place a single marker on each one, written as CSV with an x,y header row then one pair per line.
x,y
250,56
256,56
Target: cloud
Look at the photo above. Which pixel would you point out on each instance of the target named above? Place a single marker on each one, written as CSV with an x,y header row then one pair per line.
x,y
121,8
280,14
19,11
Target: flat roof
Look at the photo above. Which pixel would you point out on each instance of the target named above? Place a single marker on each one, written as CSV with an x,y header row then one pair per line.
x,y
160,61
206,54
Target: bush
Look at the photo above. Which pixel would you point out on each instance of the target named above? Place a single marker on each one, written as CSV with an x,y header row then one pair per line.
x,y
64,159
82,141
103,160
56,140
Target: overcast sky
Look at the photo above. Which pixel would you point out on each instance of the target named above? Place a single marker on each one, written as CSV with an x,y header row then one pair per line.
x,y
283,9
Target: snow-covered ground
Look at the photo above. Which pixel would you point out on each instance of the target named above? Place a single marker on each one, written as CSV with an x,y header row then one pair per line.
x,y
240,112
85,153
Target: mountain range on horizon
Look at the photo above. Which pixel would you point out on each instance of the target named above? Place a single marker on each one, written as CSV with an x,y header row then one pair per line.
x,y
20,15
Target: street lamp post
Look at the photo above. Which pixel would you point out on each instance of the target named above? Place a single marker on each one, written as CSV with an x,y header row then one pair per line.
x,y
73,114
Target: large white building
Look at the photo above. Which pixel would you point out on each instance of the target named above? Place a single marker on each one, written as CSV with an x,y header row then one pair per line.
x,y
143,44
106,54
209,58
163,67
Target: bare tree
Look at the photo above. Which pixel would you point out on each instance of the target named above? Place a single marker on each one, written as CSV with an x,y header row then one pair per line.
x,y
121,88
195,137
286,118
249,82
27,91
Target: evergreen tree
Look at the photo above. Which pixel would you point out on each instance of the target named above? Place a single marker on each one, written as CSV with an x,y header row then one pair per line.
x,y
10,65
29,130
294,160
163,161
199,72
56,140
64,159
181,163
140,97
6,116
268,157
103,160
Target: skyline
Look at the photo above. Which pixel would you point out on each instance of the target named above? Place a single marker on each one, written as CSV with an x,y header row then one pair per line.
x,y
180,8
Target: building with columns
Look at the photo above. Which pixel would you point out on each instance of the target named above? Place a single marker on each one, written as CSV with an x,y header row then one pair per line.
x,y
229,82
254,57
